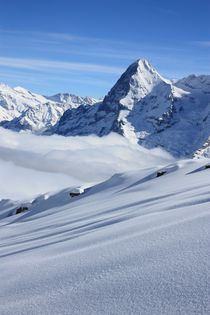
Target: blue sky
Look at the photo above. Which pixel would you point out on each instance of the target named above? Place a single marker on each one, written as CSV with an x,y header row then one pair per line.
x,y
82,47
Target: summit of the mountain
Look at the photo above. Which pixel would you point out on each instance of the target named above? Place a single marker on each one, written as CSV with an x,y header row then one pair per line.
x,y
135,83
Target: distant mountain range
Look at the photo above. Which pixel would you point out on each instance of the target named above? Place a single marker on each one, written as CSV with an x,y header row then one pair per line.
x,y
21,109
142,106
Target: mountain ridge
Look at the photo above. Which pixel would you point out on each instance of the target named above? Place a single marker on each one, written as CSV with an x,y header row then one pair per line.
x,y
150,110
21,109
142,106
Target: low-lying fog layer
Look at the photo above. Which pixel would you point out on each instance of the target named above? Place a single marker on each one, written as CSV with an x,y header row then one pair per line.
x,y
30,164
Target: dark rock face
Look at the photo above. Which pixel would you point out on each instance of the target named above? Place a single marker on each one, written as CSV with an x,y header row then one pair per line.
x,y
160,173
21,209
207,166
119,91
85,120
74,194
16,124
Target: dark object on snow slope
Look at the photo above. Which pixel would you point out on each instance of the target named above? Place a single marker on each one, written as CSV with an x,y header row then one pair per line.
x,y
76,192
21,209
73,194
160,173
207,166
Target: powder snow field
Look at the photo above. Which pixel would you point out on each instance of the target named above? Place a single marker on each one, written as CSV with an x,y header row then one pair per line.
x,y
134,244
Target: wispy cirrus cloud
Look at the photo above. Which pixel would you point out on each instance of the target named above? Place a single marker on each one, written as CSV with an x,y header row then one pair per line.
x,y
54,65
60,37
70,62
23,78
84,45
56,37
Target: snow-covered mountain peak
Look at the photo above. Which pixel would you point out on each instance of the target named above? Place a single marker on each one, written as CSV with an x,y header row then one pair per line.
x,y
21,89
26,93
135,83
4,88
144,66
150,110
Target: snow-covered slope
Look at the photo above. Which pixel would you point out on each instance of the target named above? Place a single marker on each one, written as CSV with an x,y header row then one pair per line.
x,y
191,83
204,151
73,100
15,101
135,244
21,109
148,109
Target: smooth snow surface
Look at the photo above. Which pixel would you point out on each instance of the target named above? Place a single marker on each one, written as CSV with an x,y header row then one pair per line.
x,y
134,244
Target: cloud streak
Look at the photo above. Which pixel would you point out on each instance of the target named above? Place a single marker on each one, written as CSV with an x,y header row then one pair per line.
x,y
54,65
58,37
77,62
86,46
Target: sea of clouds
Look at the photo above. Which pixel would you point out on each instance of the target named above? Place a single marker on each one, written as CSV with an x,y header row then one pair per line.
x,y
31,165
